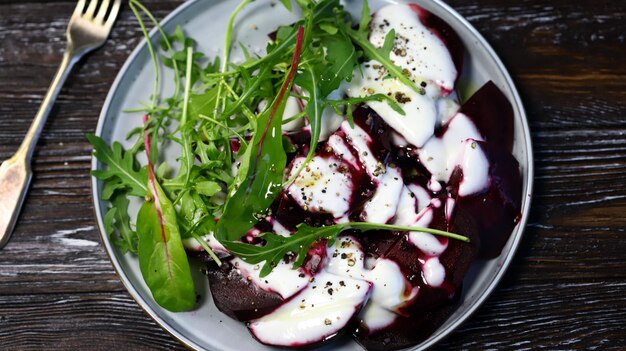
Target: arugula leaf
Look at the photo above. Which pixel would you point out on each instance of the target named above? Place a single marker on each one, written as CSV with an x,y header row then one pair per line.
x,y
208,188
202,104
276,246
117,224
262,167
122,171
329,28
382,55
342,56
349,102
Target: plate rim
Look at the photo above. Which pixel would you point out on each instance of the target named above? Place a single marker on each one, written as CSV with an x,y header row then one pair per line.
x,y
441,334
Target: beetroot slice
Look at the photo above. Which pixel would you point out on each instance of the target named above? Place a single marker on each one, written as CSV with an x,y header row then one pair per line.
x,y
443,30
496,210
492,113
237,297
429,310
405,331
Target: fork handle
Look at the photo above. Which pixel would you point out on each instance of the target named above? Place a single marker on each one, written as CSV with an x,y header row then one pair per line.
x,y
32,136
15,173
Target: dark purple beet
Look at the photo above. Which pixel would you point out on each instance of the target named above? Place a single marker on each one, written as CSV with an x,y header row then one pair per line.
x,y
492,113
376,243
290,214
432,305
405,331
496,211
236,296
445,33
376,128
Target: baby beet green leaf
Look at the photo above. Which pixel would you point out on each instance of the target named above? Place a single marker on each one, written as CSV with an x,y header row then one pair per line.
x,y
263,164
162,258
121,172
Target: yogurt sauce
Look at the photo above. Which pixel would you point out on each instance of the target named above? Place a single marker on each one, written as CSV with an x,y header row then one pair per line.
x,y
318,312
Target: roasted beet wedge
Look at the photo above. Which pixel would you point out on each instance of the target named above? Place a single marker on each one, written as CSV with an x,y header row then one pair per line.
x,y
238,297
405,331
496,211
492,113
432,306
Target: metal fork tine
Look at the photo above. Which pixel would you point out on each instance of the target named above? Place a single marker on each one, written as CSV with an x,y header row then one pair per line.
x,y
104,7
78,11
91,9
113,14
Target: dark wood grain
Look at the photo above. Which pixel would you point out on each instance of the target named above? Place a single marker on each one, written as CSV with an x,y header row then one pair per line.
x,y
565,290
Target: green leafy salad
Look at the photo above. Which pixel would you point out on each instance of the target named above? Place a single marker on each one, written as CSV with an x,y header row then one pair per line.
x,y
227,120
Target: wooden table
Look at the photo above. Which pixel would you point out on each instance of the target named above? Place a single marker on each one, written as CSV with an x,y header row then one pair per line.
x,y
566,288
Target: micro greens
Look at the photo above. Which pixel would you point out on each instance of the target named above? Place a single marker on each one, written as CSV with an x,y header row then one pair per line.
x,y
227,120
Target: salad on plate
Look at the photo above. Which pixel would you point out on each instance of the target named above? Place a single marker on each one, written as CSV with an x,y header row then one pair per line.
x,y
340,182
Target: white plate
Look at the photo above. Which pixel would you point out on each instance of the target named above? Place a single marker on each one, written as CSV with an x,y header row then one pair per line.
x,y
206,327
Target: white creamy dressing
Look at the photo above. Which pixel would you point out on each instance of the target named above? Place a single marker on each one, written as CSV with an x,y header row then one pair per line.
x,y
446,108
330,119
440,155
434,185
323,308
390,289
359,140
421,194
278,228
475,166
193,245
322,186
418,123
342,150
425,58
434,272
382,207
416,49
407,208
283,280
292,108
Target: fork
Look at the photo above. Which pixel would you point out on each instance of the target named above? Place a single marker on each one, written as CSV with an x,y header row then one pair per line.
x,y
86,31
